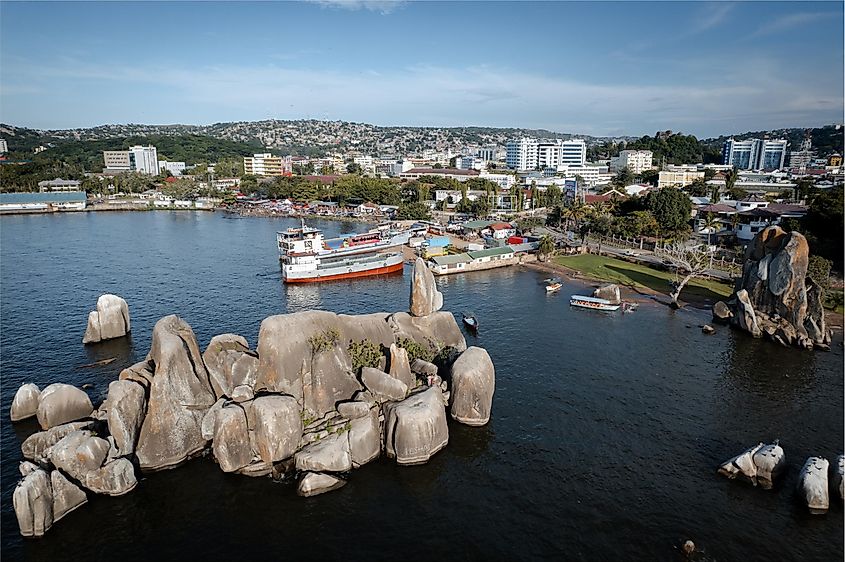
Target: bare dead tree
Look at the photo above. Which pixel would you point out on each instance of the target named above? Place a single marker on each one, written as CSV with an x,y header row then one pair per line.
x,y
688,262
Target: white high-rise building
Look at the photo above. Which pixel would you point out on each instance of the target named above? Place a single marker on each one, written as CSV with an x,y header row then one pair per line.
x,y
755,154
573,152
521,154
637,161
4,147
144,159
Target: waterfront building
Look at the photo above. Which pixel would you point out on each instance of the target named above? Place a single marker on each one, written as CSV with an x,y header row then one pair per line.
x,y
46,202
267,165
144,159
755,154
175,168
116,161
636,161
678,177
59,184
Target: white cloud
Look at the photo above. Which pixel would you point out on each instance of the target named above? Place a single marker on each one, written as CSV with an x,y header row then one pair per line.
x,y
790,21
383,7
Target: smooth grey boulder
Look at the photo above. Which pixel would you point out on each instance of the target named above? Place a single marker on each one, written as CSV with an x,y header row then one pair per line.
x,y
353,410
423,368
242,393
110,320
812,484
114,478
745,318
36,447
769,461
256,469
127,402
383,386
425,298
180,395
314,483
435,331
79,453
742,465
330,379
277,427
67,496
141,373
61,403
209,419
33,503
230,364
473,384
415,428
364,438
609,293
838,480
25,402
231,445
25,467
400,368
722,313
330,454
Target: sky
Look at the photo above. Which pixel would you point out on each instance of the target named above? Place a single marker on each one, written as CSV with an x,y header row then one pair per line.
x,y
598,68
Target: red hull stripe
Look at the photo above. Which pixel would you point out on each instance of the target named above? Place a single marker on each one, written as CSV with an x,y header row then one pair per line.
x,y
367,273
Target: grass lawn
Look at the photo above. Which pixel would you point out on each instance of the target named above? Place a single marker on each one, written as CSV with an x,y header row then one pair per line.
x,y
637,275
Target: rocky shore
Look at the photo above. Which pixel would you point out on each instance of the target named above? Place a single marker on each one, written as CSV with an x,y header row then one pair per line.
x,y
320,395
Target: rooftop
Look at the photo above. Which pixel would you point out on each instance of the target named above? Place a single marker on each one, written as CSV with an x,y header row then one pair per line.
x,y
490,252
451,259
46,197
442,172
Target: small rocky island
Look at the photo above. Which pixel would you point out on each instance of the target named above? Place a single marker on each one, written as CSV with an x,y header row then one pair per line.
x,y
774,297
321,394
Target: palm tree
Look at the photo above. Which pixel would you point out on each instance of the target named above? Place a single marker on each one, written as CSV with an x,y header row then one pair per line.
x,y
546,247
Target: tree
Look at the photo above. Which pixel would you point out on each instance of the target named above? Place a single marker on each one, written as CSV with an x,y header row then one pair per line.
x,y
553,195
623,177
730,178
737,193
818,269
823,226
650,177
710,224
546,247
353,168
671,208
689,262
698,188
414,211
480,207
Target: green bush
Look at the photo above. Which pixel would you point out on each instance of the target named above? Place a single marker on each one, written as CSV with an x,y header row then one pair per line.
x,y
323,341
364,353
415,350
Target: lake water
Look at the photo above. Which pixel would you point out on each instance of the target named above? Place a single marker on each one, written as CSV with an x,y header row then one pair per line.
x,y
603,445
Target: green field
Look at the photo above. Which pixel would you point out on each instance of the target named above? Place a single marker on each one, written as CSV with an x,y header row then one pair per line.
x,y
637,275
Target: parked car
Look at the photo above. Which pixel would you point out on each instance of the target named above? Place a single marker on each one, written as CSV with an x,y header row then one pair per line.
x,y
631,253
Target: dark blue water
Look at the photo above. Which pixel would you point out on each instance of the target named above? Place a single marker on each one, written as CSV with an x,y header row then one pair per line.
x,y
604,442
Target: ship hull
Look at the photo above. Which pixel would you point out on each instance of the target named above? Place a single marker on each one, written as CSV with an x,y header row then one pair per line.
x,y
390,265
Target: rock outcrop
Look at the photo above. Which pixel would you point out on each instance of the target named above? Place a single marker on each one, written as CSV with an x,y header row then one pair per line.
x,y
314,483
774,297
364,438
231,442
25,402
36,447
276,425
760,464
109,321
812,484
415,428
127,404
383,386
609,293
330,454
400,368
180,394
61,403
230,364
838,480
473,384
425,298
33,503
67,496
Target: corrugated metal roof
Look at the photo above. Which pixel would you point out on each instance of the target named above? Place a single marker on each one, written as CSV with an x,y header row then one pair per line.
x,y
47,197
490,252
477,225
452,259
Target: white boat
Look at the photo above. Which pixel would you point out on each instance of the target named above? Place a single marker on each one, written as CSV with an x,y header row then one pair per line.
x,y
592,303
306,258
376,239
552,287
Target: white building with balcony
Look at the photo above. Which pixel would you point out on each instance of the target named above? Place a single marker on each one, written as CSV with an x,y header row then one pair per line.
x,y
636,161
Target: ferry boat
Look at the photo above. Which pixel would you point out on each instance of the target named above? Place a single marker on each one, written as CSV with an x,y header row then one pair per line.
x,y
593,303
306,256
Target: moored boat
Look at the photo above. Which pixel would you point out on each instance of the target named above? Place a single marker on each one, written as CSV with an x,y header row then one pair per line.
x,y
553,287
470,321
592,303
306,257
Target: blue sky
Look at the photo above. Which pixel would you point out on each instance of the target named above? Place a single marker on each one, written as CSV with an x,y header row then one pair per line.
x,y
601,68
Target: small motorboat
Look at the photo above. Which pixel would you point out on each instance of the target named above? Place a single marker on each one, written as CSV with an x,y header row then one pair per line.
x,y
629,306
470,321
592,303
553,287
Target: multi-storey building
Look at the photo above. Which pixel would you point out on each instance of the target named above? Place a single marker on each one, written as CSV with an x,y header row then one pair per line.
x,y
144,159
573,152
529,154
4,146
521,154
267,165
755,154
678,178
637,161
116,161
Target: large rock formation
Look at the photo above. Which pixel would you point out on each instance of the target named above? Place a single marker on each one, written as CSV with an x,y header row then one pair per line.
x,y
609,293
231,442
230,364
364,438
416,428
25,402
61,403
383,386
67,496
838,480
36,447
330,454
313,483
180,394
127,402
774,297
33,503
425,298
473,384
760,464
110,320
276,425
812,484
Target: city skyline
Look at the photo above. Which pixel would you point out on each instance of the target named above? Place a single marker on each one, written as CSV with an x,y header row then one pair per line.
x,y
603,69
